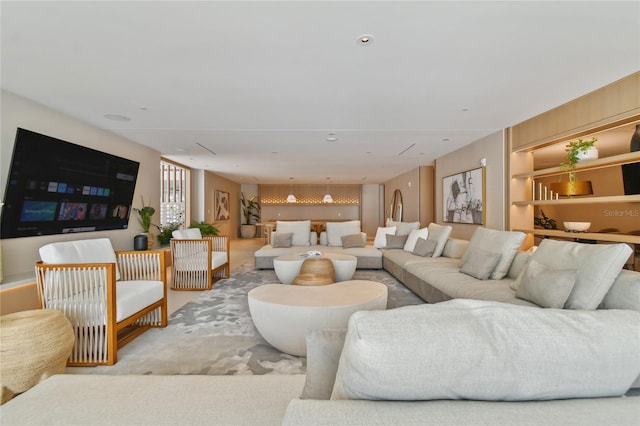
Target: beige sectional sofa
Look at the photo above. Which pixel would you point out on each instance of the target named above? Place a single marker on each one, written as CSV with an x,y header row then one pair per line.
x,y
437,279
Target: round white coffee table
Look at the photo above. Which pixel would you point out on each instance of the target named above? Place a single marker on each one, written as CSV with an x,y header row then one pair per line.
x,y
283,313
287,267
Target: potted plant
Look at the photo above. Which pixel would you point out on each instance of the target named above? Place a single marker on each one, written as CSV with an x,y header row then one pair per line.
x,y
576,151
166,233
205,228
250,212
144,218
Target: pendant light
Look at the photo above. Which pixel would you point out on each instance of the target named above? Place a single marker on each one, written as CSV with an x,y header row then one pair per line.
x,y
327,197
291,198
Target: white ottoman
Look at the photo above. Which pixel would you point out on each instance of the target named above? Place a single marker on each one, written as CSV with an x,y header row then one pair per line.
x,y
287,267
283,314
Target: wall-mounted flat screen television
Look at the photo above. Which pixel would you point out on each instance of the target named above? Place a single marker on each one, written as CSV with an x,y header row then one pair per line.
x,y
57,187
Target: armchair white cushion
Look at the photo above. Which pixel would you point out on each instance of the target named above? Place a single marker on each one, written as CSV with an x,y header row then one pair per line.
x,y
102,292
187,234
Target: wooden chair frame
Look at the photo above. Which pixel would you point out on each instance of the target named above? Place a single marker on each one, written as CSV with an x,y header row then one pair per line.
x,y
194,272
86,293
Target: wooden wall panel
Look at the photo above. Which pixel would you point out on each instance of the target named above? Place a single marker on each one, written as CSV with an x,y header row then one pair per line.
x,y
616,103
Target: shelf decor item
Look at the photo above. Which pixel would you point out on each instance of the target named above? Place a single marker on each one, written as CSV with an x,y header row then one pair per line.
x,y
576,151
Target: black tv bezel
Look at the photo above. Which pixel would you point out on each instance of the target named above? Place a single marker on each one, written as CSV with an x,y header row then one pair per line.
x,y
64,172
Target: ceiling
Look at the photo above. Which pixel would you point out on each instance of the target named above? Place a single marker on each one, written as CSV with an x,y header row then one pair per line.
x,y
251,90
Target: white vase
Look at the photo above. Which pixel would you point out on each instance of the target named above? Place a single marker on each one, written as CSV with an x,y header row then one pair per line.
x,y
590,154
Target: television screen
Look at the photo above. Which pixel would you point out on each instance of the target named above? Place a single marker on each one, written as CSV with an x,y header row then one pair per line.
x,y
57,187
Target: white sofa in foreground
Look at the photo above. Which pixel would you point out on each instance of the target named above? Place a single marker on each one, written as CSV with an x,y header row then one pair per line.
x,y
521,365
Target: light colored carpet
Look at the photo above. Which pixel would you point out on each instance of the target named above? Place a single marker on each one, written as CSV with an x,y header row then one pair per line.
x,y
214,334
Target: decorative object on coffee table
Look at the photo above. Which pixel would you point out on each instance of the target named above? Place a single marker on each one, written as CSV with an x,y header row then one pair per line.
x,y
312,279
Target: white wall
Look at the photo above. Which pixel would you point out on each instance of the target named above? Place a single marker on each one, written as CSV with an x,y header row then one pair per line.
x,y
19,255
493,148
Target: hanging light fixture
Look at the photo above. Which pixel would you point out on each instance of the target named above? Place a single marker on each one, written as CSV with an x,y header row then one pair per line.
x,y
327,197
291,198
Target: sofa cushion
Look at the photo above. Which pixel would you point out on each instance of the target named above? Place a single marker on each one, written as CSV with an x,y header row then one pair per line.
x,y
487,351
413,238
352,240
282,239
336,230
403,228
479,263
380,240
299,228
187,234
323,353
597,267
396,241
545,287
97,250
624,293
424,248
506,243
133,296
440,234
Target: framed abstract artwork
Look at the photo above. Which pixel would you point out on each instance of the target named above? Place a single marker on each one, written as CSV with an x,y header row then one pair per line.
x,y
222,205
463,197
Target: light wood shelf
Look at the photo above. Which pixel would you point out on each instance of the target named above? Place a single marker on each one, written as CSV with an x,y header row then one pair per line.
x,y
582,200
598,236
614,160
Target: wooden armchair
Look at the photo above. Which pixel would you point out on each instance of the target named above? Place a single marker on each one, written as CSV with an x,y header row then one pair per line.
x,y
198,261
109,297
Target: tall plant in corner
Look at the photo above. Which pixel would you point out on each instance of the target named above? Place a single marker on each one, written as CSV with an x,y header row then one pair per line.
x,y
250,212
144,217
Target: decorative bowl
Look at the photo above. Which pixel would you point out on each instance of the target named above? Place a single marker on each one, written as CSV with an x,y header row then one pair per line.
x,y
577,226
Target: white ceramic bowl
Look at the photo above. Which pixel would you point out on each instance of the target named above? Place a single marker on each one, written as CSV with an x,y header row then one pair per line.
x,y
577,226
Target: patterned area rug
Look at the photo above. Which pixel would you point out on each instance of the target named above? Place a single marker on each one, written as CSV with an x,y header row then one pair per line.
x,y
214,333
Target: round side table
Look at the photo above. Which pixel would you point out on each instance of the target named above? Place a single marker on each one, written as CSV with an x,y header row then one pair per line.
x,y
35,345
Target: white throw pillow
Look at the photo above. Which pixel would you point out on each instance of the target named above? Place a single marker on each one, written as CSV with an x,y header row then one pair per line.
x,y
481,350
413,238
507,243
301,230
440,234
336,230
404,228
381,236
544,287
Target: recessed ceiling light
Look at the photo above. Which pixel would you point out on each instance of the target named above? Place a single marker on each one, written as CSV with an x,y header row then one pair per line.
x,y
182,150
365,40
143,108
445,140
331,137
116,117
465,109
